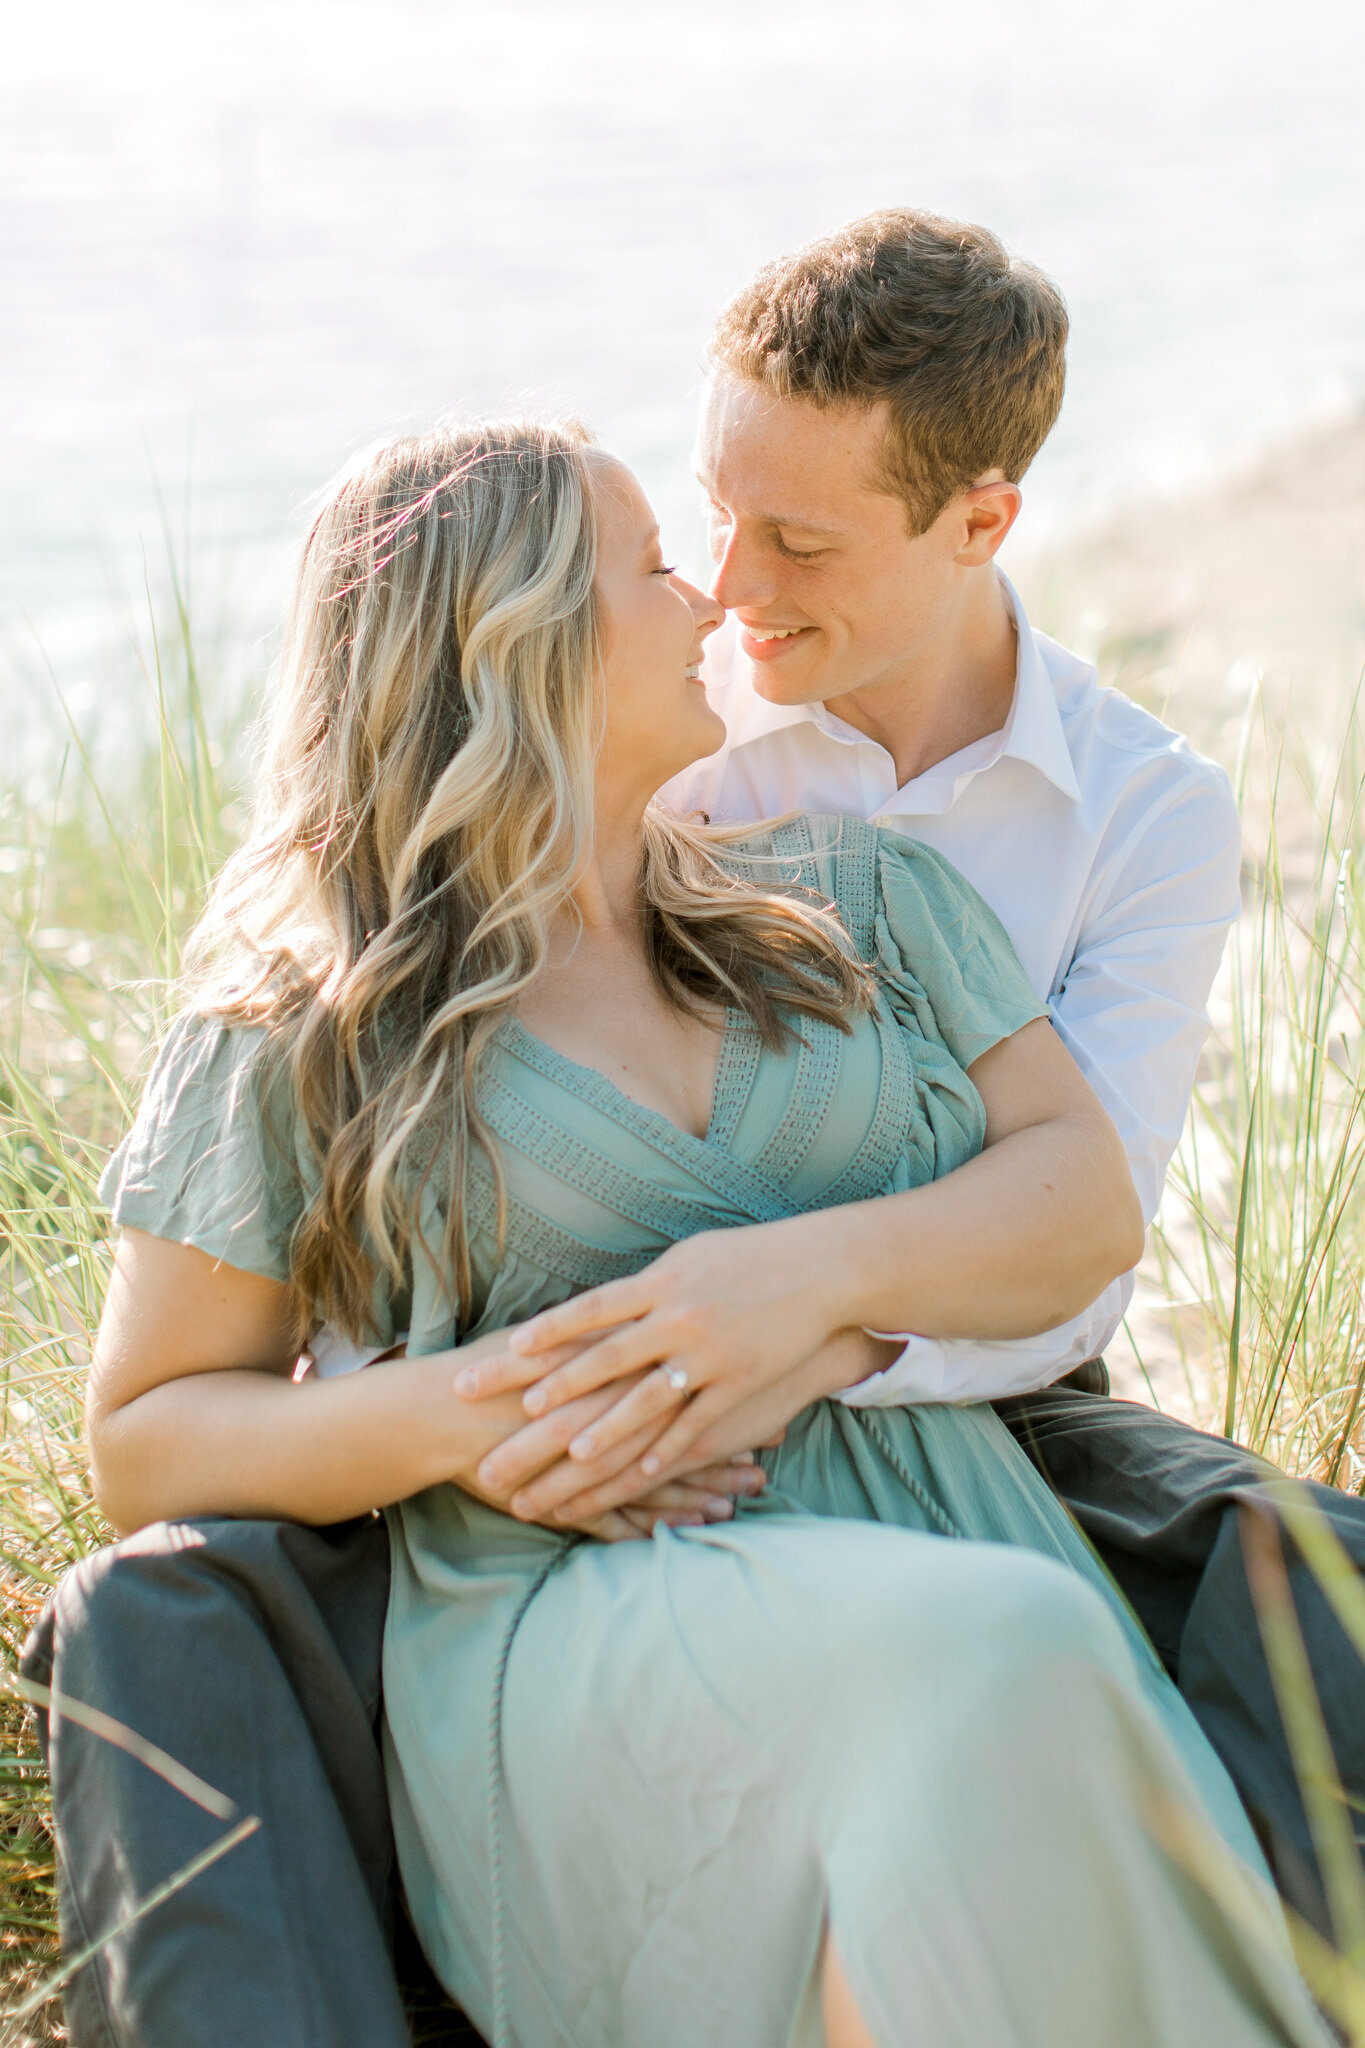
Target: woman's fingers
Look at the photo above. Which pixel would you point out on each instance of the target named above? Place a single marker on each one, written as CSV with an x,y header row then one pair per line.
x,y
647,1520
631,1347
539,1444
503,1370
648,1401
587,1314
680,1435
730,1475
615,1528
630,1489
683,1504
641,1519
549,1487
689,1498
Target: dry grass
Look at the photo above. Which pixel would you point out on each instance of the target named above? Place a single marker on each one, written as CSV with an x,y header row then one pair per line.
x,y
1262,1243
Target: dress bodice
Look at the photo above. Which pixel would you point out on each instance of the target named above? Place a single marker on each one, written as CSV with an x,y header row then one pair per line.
x,y
595,1184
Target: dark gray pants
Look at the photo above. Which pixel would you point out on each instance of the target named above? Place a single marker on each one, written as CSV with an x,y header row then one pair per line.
x,y
250,1650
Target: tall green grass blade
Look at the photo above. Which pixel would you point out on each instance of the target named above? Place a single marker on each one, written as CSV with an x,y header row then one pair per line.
x,y
157,1897
1325,1804
1239,1275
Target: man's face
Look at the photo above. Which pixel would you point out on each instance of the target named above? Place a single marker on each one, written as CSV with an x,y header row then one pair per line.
x,y
808,543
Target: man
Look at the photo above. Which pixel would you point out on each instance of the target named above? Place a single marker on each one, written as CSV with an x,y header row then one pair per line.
x,y
873,404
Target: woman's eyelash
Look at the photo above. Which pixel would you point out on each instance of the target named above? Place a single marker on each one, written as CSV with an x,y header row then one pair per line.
x,y
668,569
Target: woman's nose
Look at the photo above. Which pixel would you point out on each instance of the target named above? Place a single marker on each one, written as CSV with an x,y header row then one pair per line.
x,y
706,613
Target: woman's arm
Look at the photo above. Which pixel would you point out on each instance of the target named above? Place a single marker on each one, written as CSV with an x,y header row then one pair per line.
x,y
193,1410
1014,1242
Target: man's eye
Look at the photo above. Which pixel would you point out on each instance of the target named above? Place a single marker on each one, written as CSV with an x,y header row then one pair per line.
x,y
800,554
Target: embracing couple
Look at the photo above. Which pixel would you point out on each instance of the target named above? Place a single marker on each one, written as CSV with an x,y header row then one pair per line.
x,y
669,1124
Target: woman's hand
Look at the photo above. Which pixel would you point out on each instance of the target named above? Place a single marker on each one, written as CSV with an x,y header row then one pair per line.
x,y
705,1498
193,1410
705,1494
565,1489
563,1493
715,1321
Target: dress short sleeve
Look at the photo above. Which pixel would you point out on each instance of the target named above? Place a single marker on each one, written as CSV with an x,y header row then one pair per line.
x,y
200,1165
946,960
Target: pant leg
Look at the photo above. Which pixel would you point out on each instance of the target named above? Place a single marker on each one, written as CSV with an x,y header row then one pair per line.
x,y
1162,1503
249,1651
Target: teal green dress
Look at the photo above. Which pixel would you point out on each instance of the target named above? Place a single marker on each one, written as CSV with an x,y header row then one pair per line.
x,y
896,1700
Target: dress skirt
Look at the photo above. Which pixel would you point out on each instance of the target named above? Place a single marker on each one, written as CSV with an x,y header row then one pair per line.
x,y
895,1701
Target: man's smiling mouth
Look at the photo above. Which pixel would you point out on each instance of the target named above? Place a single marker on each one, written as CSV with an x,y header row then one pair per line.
x,y
770,643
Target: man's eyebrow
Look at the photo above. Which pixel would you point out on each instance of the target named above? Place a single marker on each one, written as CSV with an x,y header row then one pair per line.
x,y
799,525
788,519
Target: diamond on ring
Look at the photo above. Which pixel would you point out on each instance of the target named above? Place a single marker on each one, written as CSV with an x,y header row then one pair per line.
x,y
677,1378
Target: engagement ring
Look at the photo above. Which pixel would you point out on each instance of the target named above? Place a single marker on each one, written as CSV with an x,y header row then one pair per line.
x,y
677,1378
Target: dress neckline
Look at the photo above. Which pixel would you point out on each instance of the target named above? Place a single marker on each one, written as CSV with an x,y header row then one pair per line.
x,y
736,1065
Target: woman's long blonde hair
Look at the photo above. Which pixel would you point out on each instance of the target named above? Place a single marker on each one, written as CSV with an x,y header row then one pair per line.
x,y
427,808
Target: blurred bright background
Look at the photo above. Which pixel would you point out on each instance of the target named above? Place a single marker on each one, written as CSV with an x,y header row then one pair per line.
x,y
241,237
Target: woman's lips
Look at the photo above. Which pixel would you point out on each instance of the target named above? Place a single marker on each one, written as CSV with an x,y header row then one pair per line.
x,y
772,650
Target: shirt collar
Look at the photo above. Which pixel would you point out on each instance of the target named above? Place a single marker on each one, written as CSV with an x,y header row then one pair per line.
x,y
1033,731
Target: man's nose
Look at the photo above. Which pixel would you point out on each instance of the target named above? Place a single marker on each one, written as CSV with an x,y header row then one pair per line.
x,y
742,578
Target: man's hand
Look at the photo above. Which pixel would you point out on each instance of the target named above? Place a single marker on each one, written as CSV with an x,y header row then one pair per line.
x,y
705,1329
566,1490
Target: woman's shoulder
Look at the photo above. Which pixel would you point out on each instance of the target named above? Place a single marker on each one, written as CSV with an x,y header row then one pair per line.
x,y
833,856
863,866
204,1162
203,1054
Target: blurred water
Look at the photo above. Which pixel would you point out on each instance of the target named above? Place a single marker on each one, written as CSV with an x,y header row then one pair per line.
x,y
238,237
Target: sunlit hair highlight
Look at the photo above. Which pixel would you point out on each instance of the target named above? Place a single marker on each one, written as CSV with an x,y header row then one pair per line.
x,y
427,807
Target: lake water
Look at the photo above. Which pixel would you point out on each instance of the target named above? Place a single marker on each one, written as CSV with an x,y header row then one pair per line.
x,y
240,237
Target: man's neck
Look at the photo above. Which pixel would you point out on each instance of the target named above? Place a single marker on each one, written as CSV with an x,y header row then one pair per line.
x,y
957,689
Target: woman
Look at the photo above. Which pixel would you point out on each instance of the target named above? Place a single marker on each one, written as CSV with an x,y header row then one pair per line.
x,y
474,1027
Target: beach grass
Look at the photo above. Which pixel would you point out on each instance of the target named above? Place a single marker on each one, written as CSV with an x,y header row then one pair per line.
x,y
1260,1246
101,875
1260,1251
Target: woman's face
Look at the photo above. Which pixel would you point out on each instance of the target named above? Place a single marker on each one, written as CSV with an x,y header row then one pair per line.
x,y
657,716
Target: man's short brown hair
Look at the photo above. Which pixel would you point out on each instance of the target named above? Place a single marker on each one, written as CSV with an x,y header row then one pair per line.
x,y
964,343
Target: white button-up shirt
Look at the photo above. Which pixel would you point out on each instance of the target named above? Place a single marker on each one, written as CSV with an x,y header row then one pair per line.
x,y
1110,851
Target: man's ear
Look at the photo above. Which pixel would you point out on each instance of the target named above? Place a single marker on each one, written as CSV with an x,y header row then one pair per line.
x,y
988,510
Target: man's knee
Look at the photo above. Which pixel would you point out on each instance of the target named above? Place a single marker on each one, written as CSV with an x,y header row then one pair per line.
x,y
109,1600
98,1599
214,1595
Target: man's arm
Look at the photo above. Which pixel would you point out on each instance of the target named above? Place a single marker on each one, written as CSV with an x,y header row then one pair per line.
x,y
1010,1242
1132,1009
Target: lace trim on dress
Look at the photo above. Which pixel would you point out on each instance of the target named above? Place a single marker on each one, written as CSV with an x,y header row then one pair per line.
x,y
555,1250
870,1167
737,1185
741,1049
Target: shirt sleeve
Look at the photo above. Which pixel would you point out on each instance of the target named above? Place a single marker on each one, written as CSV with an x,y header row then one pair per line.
x,y
1132,1009
201,1165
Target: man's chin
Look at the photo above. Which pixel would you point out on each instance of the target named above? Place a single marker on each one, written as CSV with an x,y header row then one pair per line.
x,y
800,682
